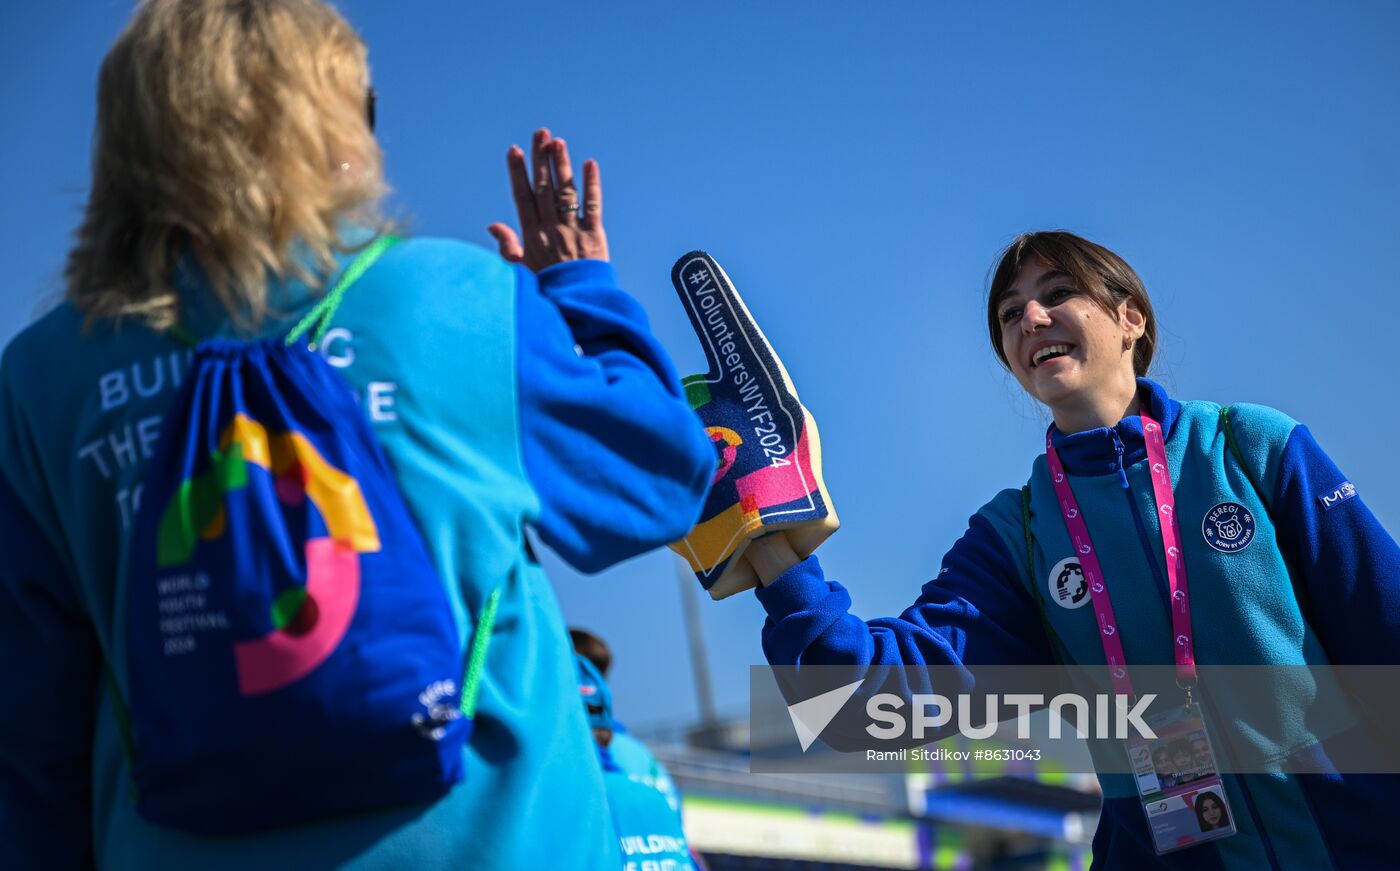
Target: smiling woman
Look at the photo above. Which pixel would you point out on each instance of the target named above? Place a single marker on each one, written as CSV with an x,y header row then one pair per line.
x,y
1071,265
1066,315
1289,566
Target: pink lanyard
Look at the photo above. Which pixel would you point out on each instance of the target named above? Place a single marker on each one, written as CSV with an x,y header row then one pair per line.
x,y
1171,547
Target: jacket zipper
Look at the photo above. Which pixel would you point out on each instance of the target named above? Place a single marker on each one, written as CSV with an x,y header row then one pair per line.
x,y
1143,538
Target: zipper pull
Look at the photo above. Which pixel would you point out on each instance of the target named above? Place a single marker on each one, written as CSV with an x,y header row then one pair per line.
x,y
1118,449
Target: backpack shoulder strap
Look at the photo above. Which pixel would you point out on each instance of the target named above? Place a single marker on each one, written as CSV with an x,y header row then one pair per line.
x,y
318,320
476,655
1232,444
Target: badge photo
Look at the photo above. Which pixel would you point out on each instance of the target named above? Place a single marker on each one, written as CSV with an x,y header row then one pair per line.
x,y
1228,527
1180,786
1068,586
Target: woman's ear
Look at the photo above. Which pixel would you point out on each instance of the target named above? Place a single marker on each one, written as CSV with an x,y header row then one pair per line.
x,y
1131,319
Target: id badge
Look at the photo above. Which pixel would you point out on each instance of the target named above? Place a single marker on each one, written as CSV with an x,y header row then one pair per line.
x,y
1178,781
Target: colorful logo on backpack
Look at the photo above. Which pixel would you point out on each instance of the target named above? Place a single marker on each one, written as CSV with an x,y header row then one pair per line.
x,y
309,621
283,613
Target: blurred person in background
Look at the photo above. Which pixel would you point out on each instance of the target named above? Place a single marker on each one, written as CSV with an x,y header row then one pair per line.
x,y
648,827
628,753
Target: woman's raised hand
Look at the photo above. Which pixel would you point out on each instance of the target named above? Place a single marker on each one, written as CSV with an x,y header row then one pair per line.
x,y
551,230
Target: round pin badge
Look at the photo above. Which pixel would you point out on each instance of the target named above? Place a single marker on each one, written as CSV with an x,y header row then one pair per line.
x,y
1068,586
1228,527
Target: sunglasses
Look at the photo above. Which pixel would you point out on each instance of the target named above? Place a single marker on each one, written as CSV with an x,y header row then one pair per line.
x,y
369,107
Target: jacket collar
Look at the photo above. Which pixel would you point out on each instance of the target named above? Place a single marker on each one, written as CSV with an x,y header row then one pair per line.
x,y
1108,450
203,316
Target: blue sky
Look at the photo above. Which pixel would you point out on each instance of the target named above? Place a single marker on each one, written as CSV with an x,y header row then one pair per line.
x,y
856,168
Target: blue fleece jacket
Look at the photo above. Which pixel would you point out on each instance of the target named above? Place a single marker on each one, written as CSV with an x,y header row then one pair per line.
x,y
648,826
1320,583
502,401
637,761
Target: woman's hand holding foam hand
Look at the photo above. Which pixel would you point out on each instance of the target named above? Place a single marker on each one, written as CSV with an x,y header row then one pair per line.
x,y
771,556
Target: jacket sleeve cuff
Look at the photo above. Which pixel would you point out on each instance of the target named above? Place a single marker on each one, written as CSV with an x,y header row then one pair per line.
x,y
571,273
798,589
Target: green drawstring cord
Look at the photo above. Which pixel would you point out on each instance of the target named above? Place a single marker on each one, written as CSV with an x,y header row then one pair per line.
x,y
324,310
321,314
476,660
182,335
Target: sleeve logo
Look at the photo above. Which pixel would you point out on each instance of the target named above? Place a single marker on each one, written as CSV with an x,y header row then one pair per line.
x,y
1331,500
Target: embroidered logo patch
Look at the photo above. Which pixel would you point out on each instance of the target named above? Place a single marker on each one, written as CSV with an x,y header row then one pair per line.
x,y
1338,496
1228,527
1068,586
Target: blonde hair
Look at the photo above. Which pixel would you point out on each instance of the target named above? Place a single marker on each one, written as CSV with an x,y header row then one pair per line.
x,y
232,131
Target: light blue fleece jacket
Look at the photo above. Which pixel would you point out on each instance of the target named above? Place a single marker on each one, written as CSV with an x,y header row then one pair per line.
x,y
502,402
1320,583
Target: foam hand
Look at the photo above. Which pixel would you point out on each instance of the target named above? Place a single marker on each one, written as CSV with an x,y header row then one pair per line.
x,y
769,470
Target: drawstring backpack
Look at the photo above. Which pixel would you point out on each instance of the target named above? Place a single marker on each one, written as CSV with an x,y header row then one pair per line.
x,y
291,654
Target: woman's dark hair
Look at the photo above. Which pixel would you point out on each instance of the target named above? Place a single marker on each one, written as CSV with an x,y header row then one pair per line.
x,y
1201,811
1097,271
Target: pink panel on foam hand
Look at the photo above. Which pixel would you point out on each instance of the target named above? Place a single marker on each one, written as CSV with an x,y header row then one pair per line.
x,y
774,485
279,658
